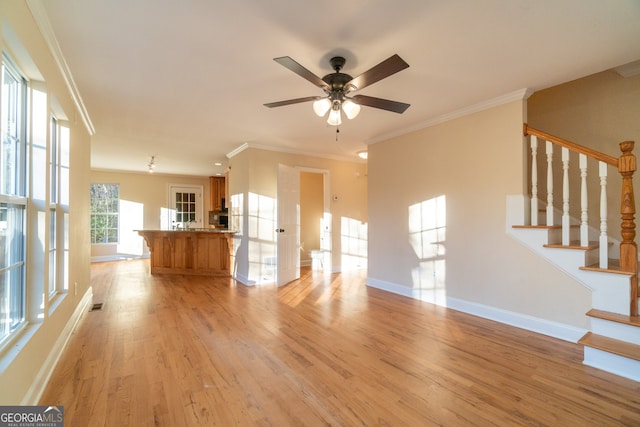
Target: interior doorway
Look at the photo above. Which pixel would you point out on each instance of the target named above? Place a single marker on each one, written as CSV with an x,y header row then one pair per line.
x,y
315,221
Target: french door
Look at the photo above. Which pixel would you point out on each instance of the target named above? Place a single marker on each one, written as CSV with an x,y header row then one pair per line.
x,y
186,206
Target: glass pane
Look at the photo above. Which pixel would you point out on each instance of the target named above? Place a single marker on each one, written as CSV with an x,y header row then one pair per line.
x,y
53,162
64,186
52,229
64,267
105,207
12,267
52,272
11,108
112,236
64,146
39,162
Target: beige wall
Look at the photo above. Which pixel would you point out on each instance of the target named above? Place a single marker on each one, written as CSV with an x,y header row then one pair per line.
x,y
150,192
253,174
475,162
25,364
599,112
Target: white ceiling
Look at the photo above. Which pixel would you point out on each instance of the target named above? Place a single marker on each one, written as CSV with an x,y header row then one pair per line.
x,y
186,80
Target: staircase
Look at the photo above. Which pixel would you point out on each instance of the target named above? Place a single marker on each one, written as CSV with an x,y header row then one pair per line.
x,y
606,266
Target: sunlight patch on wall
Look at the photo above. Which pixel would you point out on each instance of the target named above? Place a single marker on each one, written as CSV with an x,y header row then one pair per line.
x,y
131,218
353,236
427,236
325,231
261,226
235,213
166,218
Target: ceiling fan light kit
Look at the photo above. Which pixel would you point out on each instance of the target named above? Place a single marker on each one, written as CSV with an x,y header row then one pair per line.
x,y
337,85
321,106
335,118
351,109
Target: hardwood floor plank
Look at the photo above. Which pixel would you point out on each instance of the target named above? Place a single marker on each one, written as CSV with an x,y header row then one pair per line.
x,y
323,350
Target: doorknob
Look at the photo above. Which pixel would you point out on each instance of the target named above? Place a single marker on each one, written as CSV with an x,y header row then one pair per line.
x,y
279,230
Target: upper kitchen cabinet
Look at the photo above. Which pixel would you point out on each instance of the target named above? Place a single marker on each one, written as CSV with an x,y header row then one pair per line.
x,y
217,188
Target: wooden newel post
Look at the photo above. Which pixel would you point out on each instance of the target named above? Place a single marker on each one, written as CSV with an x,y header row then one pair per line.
x,y
628,246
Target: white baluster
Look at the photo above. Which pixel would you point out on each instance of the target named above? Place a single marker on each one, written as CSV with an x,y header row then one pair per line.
x,y
565,197
584,203
604,249
534,180
549,183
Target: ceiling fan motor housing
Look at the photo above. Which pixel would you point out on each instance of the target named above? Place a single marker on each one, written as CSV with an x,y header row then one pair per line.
x,y
337,80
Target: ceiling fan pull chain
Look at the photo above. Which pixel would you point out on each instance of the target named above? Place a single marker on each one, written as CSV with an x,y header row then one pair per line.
x,y
337,132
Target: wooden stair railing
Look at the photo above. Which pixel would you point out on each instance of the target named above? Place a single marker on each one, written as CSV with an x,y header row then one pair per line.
x,y
626,165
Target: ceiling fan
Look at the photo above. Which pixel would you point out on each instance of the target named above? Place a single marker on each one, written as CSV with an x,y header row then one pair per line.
x,y
337,86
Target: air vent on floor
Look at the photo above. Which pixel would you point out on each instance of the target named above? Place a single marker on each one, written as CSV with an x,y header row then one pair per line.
x,y
97,306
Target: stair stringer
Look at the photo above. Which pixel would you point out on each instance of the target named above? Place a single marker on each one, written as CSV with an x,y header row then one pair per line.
x,y
609,292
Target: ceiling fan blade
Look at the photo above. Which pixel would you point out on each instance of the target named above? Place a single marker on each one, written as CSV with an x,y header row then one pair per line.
x,y
383,104
389,66
292,101
301,71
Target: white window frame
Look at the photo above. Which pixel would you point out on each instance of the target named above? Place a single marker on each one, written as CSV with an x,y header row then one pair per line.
x,y
13,304
58,255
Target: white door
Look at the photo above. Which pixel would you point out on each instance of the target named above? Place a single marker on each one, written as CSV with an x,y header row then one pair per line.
x,y
288,228
186,206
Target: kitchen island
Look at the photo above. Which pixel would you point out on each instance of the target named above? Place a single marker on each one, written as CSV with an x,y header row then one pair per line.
x,y
202,251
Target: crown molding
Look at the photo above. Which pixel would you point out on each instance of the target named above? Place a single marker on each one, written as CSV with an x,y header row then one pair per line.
x,y
238,150
248,145
44,25
518,95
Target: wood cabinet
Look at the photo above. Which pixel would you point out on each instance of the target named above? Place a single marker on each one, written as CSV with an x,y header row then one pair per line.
x,y
217,192
205,253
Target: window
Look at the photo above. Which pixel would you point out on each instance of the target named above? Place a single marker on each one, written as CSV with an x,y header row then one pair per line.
x,y
105,213
53,197
14,122
12,199
185,207
58,207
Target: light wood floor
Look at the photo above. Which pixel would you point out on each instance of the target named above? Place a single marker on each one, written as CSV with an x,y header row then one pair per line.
x,y
324,350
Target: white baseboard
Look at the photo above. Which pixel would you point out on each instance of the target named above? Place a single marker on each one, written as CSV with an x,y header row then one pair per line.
x,y
117,257
33,395
244,280
522,321
518,320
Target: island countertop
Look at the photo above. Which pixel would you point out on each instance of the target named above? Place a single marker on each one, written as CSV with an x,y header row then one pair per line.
x,y
188,230
197,251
